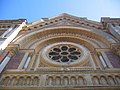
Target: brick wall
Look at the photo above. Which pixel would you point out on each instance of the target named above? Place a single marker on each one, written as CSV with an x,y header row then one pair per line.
x,y
114,59
15,61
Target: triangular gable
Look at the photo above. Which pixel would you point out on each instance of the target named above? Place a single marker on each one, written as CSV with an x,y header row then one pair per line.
x,y
66,20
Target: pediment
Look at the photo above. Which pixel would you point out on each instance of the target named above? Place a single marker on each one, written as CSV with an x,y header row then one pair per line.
x,y
66,20
63,23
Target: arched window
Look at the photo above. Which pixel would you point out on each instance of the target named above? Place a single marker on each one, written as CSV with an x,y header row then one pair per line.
x,y
95,80
57,81
21,81
6,81
28,81
103,80
13,81
111,80
81,81
50,81
73,81
36,81
117,78
65,81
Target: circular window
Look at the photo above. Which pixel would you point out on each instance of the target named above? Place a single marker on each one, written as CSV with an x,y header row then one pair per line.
x,y
64,53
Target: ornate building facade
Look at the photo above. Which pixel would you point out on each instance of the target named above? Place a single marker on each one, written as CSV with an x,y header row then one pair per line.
x,y
63,53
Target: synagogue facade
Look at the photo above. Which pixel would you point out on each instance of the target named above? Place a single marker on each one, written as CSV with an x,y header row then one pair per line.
x,y
61,53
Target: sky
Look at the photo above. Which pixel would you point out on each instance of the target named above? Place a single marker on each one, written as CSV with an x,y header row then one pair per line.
x,y
34,10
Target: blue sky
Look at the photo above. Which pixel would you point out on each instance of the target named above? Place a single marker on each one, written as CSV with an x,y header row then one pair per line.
x,y
34,10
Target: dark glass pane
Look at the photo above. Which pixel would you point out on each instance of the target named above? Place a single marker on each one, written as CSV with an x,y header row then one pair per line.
x,y
57,49
71,49
71,60
64,53
56,57
58,61
64,48
53,53
73,57
64,59
75,53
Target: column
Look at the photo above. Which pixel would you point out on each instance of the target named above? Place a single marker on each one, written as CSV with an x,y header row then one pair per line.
x,y
23,60
42,80
31,63
37,62
106,60
92,62
88,79
4,62
27,62
102,60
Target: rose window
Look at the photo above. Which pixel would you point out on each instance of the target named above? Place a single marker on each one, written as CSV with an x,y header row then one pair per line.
x,y
64,53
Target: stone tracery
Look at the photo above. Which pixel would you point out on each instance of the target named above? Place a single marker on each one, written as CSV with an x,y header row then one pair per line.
x,y
64,53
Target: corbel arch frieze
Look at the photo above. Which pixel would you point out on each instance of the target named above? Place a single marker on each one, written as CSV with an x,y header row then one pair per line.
x,y
94,34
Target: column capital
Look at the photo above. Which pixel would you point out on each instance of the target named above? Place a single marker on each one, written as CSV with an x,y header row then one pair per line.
x,y
116,49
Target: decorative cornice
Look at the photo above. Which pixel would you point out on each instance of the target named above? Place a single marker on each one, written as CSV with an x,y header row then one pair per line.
x,y
65,20
17,21
55,70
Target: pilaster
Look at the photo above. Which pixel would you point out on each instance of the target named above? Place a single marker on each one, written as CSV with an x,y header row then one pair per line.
x,y
23,60
88,79
42,80
107,60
